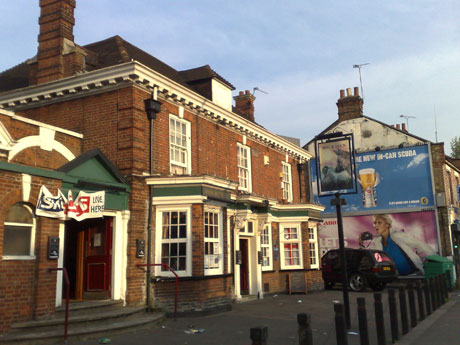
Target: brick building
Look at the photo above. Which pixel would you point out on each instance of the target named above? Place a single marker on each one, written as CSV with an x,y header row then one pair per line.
x,y
413,182
209,192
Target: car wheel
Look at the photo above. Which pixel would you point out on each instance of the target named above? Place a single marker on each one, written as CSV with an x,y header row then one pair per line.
x,y
328,285
357,281
377,286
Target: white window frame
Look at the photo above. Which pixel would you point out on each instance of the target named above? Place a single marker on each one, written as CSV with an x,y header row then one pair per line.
x,y
187,165
286,182
31,255
313,246
159,241
266,247
219,241
244,167
297,241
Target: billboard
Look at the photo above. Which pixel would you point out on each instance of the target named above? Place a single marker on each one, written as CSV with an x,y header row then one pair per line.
x,y
388,180
335,166
414,232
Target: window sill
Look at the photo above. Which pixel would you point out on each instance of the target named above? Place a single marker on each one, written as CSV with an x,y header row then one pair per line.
x,y
188,278
18,258
292,268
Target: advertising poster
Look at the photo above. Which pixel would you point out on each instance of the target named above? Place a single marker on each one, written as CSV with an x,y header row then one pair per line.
x,y
387,179
335,166
414,232
49,205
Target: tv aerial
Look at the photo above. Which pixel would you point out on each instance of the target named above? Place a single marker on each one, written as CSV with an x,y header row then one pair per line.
x,y
407,120
360,80
257,89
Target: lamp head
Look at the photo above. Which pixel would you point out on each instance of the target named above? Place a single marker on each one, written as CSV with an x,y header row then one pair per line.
x,y
152,108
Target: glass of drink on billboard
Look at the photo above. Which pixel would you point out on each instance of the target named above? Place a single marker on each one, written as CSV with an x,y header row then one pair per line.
x,y
368,179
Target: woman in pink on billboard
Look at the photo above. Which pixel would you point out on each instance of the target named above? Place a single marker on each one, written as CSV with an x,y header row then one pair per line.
x,y
401,247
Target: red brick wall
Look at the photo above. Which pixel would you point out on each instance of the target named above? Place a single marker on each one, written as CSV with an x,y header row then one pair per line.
x,y
277,279
116,123
193,294
27,289
35,156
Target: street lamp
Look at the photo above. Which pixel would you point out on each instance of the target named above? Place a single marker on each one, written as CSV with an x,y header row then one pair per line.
x,y
152,107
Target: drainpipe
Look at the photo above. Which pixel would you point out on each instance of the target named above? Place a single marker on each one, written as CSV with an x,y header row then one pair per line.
x,y
152,108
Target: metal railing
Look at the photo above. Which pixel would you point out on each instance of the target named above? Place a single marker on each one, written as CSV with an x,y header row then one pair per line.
x,y
67,297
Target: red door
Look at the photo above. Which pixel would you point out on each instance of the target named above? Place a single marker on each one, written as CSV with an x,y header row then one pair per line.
x,y
98,258
244,267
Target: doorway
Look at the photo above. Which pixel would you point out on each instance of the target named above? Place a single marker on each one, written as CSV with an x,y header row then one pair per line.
x,y
88,258
244,267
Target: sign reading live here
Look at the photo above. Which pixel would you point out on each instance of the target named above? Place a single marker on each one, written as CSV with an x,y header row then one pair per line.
x,y
86,205
388,179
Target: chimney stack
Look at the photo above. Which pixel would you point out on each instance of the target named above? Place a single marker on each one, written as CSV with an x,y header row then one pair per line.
x,y
350,106
244,105
58,56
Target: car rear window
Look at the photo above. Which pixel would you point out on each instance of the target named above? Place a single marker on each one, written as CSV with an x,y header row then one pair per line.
x,y
381,257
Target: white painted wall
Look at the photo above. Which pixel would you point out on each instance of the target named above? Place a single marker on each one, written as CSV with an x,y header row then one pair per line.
x,y
221,95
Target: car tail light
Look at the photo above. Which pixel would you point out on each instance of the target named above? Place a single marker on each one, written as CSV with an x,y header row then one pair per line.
x,y
377,269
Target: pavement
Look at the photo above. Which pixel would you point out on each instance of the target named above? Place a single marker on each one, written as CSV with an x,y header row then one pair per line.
x,y
279,314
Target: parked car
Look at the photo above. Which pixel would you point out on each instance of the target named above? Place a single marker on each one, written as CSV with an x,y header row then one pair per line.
x,y
373,268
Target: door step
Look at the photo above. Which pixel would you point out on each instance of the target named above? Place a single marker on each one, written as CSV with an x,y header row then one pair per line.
x,y
86,319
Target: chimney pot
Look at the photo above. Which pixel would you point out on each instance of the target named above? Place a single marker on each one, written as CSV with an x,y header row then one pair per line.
x,y
404,127
342,93
247,92
348,92
397,126
241,93
356,91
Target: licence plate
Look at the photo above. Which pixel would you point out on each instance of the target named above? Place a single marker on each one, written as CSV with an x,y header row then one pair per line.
x,y
386,268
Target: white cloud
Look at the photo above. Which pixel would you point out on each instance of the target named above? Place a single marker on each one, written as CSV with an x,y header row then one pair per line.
x,y
417,160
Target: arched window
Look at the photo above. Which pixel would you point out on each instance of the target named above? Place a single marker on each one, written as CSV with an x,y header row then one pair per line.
x,y
19,232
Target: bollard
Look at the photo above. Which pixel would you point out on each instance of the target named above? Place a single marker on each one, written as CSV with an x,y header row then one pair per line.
x,y
403,309
362,319
379,319
304,331
340,329
393,315
426,291
412,310
437,281
443,280
421,308
432,294
259,335
439,293
442,291
449,281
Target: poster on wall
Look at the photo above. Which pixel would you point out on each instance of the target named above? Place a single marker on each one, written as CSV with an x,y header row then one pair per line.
x,y
413,232
86,205
335,166
49,205
387,179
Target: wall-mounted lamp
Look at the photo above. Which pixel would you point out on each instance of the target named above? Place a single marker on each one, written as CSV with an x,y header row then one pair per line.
x,y
152,108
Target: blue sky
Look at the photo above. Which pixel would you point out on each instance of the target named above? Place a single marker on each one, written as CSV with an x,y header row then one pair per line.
x,y
300,52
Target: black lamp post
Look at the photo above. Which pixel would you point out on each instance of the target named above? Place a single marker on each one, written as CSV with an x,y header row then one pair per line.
x,y
152,108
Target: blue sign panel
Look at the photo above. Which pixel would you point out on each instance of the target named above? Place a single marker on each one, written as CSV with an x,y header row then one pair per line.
x,y
388,180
